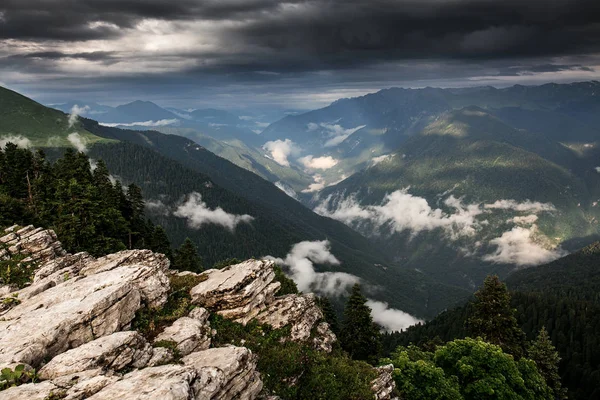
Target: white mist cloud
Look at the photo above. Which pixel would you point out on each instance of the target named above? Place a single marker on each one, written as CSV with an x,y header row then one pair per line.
x,y
301,261
19,140
281,149
518,247
157,206
78,141
391,319
598,169
197,214
76,111
526,206
317,185
286,189
161,122
401,211
318,162
525,220
338,134
377,160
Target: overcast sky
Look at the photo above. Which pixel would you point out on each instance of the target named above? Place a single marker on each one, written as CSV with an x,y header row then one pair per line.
x,y
293,54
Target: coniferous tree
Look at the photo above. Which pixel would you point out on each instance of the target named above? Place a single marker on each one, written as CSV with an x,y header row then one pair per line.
x,y
159,242
329,314
543,352
494,320
359,335
187,258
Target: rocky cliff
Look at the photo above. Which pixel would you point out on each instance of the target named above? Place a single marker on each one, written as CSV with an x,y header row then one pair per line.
x,y
73,322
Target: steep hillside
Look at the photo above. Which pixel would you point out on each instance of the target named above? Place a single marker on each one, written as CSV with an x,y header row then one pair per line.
x,y
42,126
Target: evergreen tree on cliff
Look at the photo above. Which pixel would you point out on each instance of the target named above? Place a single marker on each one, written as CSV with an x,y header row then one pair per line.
x,y
187,258
359,335
494,320
543,352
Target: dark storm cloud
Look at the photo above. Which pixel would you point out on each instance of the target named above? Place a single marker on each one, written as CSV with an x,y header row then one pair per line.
x,y
335,32
300,48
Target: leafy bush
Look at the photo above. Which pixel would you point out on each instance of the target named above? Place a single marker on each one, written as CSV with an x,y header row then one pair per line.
x,y
16,377
16,272
468,369
294,370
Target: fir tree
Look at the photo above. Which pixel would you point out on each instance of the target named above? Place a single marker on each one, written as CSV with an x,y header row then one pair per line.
x,y
329,314
359,335
543,352
494,320
187,258
159,242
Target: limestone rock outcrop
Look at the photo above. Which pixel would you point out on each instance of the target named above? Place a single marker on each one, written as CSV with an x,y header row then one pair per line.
x,y
246,291
78,310
190,333
383,386
237,292
72,323
301,313
36,243
114,352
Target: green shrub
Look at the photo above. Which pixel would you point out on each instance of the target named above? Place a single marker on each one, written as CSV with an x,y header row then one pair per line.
x,y
16,377
16,272
293,370
150,322
288,286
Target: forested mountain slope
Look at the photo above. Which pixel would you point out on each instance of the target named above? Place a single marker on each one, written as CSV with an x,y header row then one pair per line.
x,y
561,296
256,219
470,195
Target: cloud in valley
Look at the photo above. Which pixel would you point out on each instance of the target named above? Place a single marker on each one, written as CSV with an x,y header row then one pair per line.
x,y
286,189
76,111
162,122
19,140
78,141
301,260
401,211
518,247
338,134
323,163
280,150
197,214
391,319
526,206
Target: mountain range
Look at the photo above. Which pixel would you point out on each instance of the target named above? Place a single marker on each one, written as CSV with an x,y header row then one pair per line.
x,y
448,185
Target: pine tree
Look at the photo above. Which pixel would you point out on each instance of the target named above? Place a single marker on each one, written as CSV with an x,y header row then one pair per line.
x,y
543,352
159,242
187,258
494,320
329,314
359,335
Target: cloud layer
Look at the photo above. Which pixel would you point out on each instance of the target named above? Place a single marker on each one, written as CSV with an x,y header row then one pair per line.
x,y
301,260
197,214
400,211
518,247
280,150
20,141
322,163
391,319
230,49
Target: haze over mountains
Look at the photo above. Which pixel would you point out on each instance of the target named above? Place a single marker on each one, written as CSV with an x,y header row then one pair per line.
x,y
501,178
